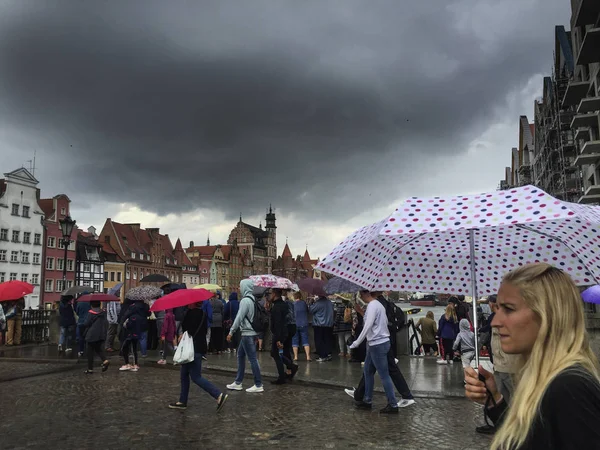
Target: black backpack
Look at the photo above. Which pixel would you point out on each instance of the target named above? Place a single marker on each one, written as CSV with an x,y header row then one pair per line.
x,y
395,316
260,321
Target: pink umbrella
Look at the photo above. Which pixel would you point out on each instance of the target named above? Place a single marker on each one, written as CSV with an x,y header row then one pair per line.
x,y
272,281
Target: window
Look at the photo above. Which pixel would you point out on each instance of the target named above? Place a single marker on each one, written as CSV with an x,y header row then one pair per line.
x,y
147,257
37,239
3,234
2,277
49,285
175,261
60,264
51,242
69,284
14,256
25,211
135,274
15,209
3,255
36,258
87,267
60,285
35,279
70,265
168,261
63,211
13,276
96,286
50,263
24,277
141,256
112,276
133,255
203,270
128,274
105,276
25,257
119,276
15,236
26,237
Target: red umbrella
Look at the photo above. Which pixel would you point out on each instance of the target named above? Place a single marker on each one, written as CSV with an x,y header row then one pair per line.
x,y
98,298
182,297
14,290
312,286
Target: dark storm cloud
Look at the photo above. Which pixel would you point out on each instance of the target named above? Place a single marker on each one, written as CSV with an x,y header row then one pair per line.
x,y
233,105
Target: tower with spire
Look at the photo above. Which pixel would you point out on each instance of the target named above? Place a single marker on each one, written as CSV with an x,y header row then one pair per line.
x,y
271,229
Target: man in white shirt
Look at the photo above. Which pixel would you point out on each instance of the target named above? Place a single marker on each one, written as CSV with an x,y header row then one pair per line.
x,y
375,330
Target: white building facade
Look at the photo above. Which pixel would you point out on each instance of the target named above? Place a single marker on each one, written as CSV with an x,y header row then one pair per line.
x,y
21,232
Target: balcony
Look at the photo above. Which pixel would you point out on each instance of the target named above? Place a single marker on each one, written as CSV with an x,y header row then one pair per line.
x,y
588,105
585,120
576,90
585,13
582,134
591,195
590,154
589,53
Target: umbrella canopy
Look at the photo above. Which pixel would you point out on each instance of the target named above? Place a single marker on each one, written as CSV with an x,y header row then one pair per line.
x,y
14,290
338,285
209,287
98,298
75,290
312,286
591,295
155,278
143,293
181,297
272,281
115,290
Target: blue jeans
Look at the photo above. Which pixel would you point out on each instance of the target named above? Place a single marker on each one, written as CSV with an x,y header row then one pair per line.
x,y
301,337
377,362
193,370
80,338
248,348
65,335
144,343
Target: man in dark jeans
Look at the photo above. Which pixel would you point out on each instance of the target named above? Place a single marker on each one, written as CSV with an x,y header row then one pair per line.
x,y
282,340
394,370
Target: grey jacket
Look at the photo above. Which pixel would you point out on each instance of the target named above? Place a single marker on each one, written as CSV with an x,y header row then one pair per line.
x,y
245,315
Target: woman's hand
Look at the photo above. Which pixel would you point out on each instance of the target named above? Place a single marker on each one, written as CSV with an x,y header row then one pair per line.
x,y
475,389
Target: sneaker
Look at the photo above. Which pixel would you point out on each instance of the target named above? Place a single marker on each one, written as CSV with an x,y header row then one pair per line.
x,y
69,350
135,368
363,405
350,392
204,358
125,368
60,349
389,409
321,359
177,405
235,386
362,364
442,362
222,399
255,389
396,360
80,354
451,361
162,362
486,429
406,402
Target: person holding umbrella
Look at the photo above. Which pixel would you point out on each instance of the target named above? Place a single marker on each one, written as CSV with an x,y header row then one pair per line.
x,y
95,329
281,344
67,322
14,322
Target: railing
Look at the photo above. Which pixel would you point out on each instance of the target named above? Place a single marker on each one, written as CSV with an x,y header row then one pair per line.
x,y
414,338
36,325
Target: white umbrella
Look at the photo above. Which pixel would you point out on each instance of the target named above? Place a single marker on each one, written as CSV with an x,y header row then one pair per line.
x,y
464,245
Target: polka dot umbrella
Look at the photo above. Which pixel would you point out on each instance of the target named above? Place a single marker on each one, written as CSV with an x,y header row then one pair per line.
x,y
465,244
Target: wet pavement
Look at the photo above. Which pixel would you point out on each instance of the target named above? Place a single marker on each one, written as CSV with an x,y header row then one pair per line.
x,y
71,410
424,376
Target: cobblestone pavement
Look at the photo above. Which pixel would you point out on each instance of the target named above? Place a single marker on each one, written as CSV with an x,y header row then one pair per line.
x,y
70,410
16,370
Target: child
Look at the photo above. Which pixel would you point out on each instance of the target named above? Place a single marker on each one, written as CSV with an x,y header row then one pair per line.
x,y
168,335
466,342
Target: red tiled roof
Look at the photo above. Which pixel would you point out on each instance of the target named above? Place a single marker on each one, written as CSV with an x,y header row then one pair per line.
x,y
226,249
127,237
203,250
106,248
306,256
47,205
287,253
167,246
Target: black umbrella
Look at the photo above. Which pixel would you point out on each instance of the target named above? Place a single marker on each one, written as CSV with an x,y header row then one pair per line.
x,y
155,278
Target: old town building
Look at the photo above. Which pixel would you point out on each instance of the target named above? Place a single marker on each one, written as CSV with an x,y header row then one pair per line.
x,y
189,270
297,268
114,269
145,252
56,209
21,232
89,266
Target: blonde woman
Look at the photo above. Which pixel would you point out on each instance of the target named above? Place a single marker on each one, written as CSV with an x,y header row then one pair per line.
x,y
448,330
556,404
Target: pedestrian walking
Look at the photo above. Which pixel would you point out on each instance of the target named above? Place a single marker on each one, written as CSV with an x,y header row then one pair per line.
x,y
247,345
448,330
133,326
281,344
377,334
556,403
229,314
143,310
322,313
94,332
465,343
195,323
113,311
216,328
301,335
67,323
428,329
168,336
343,326
82,309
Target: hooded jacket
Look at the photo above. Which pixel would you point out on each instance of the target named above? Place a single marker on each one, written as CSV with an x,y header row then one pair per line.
x,y
232,307
95,325
465,339
322,311
245,315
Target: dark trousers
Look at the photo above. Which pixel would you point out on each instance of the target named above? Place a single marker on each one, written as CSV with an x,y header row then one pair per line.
x,y
285,358
153,336
80,338
98,349
323,340
130,345
448,351
216,339
397,377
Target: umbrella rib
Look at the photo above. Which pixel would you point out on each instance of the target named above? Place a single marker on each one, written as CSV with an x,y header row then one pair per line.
x,y
525,227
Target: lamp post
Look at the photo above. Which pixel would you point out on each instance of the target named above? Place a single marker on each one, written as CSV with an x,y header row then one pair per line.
x,y
66,227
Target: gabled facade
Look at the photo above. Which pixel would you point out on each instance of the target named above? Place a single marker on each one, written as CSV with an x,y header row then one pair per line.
x,y
297,268
21,232
89,262
189,270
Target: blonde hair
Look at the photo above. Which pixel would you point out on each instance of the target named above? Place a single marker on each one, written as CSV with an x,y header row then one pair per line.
x,y
450,312
429,315
562,342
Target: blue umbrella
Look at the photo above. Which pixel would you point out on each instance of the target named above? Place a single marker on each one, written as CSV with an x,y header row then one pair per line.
x,y
591,295
115,290
339,285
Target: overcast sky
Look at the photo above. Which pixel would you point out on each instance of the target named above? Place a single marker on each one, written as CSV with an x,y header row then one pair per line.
x,y
181,115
